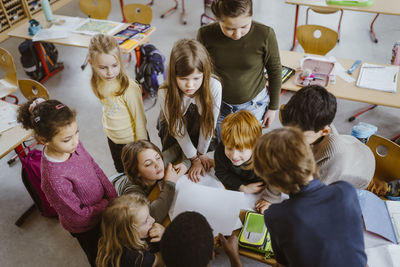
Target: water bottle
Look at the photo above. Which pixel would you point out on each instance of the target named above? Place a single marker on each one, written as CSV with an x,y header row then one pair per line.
x,y
47,10
362,131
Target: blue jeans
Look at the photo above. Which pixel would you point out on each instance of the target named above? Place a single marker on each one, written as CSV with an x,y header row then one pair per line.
x,y
258,105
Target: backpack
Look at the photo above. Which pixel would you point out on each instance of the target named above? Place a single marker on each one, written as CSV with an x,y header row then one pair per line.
x,y
31,177
30,59
151,65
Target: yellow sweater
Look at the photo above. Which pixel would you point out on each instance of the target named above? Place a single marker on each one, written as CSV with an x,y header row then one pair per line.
x,y
124,120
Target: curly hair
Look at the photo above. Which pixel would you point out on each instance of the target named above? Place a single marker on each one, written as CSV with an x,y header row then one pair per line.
x,y
45,118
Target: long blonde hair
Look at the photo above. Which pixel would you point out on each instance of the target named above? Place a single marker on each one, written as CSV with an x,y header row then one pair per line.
x,y
120,230
188,55
105,44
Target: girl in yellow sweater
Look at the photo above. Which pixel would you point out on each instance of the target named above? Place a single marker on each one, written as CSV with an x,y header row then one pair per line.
x,y
124,120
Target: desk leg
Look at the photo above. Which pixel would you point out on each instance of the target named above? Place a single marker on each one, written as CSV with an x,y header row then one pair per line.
x,y
371,31
295,28
183,13
121,4
48,73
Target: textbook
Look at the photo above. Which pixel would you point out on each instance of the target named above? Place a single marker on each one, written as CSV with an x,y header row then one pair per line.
x,y
254,234
350,2
130,36
95,26
380,217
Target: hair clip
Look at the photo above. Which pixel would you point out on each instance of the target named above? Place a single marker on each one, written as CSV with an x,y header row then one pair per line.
x,y
60,106
35,103
37,119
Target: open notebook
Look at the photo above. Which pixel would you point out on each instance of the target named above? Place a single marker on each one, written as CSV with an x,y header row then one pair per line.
x,y
378,77
380,217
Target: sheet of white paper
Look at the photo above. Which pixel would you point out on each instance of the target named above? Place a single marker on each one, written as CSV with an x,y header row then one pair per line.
x,y
378,77
8,116
387,256
53,32
220,207
341,72
394,213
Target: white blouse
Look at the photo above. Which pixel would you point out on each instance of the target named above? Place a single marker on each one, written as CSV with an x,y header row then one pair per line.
x,y
184,141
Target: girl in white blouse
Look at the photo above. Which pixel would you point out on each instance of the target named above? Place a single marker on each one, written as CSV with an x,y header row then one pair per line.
x,y
190,102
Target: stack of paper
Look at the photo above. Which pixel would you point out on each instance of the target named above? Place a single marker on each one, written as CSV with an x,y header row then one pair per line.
x,y
378,77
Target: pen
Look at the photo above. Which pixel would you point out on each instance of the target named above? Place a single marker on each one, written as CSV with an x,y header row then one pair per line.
x,y
394,78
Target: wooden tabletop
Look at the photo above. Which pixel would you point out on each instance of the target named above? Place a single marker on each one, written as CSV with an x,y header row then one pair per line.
x,y
11,138
388,7
343,89
74,39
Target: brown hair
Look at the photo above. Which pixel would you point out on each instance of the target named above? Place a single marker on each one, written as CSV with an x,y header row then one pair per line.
x,y
283,159
119,230
231,8
105,44
188,55
46,118
129,157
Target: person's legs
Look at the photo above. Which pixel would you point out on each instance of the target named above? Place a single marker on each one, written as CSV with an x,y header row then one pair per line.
x,y
88,241
226,109
116,151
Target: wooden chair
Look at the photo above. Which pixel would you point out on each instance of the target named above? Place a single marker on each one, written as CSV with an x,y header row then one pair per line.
x,y
316,39
138,13
327,10
387,163
31,88
96,9
8,84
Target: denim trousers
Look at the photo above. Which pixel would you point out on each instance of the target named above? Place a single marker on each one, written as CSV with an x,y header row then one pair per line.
x,y
258,105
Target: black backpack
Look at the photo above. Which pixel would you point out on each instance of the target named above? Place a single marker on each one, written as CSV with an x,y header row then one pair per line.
x,y
30,59
151,65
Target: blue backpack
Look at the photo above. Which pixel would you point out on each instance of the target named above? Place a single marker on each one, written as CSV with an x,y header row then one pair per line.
x,y
151,66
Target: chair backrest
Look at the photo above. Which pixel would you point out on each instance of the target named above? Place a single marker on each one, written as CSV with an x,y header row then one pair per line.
x,y
138,13
9,83
316,39
387,158
96,9
31,88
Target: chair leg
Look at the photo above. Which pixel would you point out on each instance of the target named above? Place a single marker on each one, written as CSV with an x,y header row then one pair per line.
x,y
352,118
83,66
340,23
308,9
163,15
371,31
396,137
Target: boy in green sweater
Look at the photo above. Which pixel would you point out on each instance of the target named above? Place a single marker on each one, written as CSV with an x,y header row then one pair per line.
x,y
242,50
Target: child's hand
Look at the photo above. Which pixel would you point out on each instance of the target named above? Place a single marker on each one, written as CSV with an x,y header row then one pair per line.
x,y
180,168
269,117
231,248
196,170
262,205
156,232
252,188
207,162
171,174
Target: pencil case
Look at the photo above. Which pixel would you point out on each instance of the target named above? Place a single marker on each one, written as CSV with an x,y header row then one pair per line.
x,y
315,72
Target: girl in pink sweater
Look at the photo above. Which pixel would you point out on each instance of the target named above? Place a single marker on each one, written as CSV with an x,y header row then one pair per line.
x,y
73,183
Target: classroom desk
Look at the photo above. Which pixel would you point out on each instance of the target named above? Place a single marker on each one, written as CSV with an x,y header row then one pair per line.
x,y
74,39
343,89
387,7
12,138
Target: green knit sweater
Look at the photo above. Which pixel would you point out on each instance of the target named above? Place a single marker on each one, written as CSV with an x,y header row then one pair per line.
x,y
241,63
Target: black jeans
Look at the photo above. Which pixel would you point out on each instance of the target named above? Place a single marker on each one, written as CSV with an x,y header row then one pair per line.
x,y
116,151
88,241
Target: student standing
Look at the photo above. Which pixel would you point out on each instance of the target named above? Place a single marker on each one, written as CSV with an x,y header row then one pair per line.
x,y
72,182
242,50
190,102
319,225
124,120
126,228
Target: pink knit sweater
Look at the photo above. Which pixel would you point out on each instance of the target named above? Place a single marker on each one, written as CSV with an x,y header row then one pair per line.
x,y
77,189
